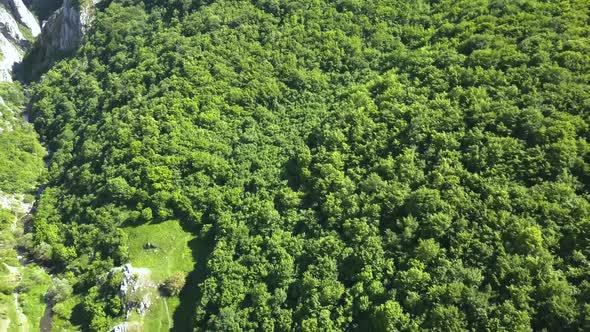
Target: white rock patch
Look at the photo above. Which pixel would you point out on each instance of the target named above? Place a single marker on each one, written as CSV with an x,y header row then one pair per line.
x,y
136,288
9,26
14,202
10,55
24,15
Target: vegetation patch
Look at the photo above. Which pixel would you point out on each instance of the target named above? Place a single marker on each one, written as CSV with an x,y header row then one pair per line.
x,y
334,165
32,290
161,247
164,249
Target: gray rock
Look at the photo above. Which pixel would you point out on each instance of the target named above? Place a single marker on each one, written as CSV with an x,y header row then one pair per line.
x,y
65,29
11,54
120,328
23,15
136,289
13,41
9,27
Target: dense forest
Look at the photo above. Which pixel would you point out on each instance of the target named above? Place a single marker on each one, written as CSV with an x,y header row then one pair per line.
x,y
376,165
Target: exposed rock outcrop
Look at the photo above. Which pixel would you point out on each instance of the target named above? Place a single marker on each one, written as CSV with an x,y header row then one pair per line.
x,y
23,15
9,55
9,27
65,29
61,35
136,289
15,20
128,326
14,202
120,328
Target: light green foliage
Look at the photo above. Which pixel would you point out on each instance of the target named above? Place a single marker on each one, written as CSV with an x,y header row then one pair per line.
x,y
60,290
33,287
26,33
21,168
171,252
173,284
340,165
31,282
64,314
21,155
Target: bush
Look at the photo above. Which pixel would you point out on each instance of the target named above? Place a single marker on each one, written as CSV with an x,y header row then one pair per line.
x,y
43,252
60,290
6,288
173,285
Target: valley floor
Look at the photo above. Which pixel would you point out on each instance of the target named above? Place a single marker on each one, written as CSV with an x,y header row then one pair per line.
x,y
24,284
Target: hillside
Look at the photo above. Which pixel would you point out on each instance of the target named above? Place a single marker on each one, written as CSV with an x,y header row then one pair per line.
x,y
18,29
22,283
376,165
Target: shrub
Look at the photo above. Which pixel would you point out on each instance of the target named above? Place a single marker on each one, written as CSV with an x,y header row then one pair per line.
x,y
173,285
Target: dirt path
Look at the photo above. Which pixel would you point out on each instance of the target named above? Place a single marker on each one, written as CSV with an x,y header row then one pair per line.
x,y
167,313
20,209
4,324
23,324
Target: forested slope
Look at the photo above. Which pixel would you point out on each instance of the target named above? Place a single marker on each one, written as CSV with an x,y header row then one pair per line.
x,y
22,284
350,165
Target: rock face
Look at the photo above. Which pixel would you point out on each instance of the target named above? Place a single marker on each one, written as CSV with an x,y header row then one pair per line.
x,y
14,202
120,328
23,15
61,34
136,289
9,55
17,27
64,30
9,27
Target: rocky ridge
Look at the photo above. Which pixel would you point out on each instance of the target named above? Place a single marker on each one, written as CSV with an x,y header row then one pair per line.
x,y
18,28
23,15
21,33
65,29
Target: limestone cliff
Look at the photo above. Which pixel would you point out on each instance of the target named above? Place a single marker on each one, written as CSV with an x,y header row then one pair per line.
x,y
61,34
23,15
65,29
18,28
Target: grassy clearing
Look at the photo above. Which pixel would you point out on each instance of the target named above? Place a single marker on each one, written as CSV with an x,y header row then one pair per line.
x,y
34,285
172,254
7,312
159,317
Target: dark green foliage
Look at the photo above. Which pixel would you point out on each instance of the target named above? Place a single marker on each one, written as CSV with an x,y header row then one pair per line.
x,y
360,165
103,302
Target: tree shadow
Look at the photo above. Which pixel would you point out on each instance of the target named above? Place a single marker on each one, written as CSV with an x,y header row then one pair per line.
x,y
184,315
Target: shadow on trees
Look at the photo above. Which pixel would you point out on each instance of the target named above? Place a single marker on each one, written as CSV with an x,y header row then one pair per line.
x,y
201,247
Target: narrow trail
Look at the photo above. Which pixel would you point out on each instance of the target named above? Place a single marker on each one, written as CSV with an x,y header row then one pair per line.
x,y
21,210
167,313
22,323
4,324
